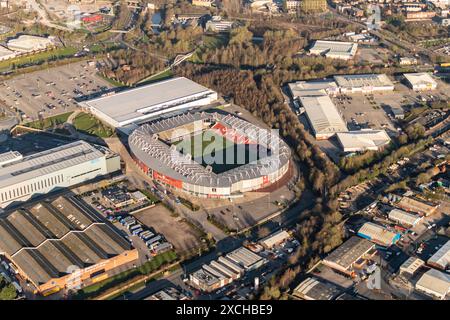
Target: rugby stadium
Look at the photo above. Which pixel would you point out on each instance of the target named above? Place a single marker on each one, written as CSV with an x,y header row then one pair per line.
x,y
210,154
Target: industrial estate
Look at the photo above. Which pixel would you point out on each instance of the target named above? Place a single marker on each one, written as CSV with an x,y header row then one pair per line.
x,y
225,150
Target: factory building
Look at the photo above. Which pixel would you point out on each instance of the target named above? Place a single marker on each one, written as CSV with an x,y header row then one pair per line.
x,y
362,140
149,101
275,239
420,81
441,259
63,244
404,218
334,49
411,266
219,25
316,289
312,88
378,234
413,205
352,253
24,177
434,283
363,83
323,116
28,43
225,270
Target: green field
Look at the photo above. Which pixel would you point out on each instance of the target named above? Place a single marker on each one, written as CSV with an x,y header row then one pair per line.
x,y
49,122
210,148
88,124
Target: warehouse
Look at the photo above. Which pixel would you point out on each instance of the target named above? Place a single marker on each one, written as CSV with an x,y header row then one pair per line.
x,y
323,116
346,255
378,234
362,140
246,259
275,239
51,240
404,218
411,266
334,49
28,43
441,259
434,283
363,83
316,289
413,205
146,102
312,88
53,169
420,81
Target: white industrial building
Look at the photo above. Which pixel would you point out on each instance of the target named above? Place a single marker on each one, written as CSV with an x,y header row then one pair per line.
x,y
420,81
334,49
378,234
312,88
411,265
28,43
146,102
6,54
275,239
216,24
24,177
313,288
364,83
362,140
323,116
404,218
441,259
434,283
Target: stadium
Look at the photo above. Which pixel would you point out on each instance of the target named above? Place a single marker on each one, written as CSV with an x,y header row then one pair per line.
x,y
210,155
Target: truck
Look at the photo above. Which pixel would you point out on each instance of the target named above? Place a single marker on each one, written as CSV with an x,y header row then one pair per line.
x,y
152,240
136,232
134,227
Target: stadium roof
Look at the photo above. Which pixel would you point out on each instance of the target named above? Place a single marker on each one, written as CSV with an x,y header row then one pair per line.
x,y
420,79
44,242
349,252
137,103
170,162
312,88
323,115
442,257
363,80
435,281
48,161
363,140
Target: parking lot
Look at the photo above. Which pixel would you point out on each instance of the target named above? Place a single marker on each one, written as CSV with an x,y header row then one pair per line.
x,y
29,143
50,92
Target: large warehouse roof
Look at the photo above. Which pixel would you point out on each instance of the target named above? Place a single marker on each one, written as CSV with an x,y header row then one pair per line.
x,y
349,252
316,289
157,154
364,80
421,80
377,233
441,258
26,42
312,88
139,103
323,115
404,217
435,282
334,49
363,140
44,241
46,162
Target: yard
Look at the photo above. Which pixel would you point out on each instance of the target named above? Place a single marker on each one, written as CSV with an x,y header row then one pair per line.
x,y
49,122
88,124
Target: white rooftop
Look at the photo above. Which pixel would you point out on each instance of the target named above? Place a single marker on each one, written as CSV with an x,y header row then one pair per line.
x,y
5,53
363,139
435,281
28,42
312,88
323,114
420,79
363,80
334,48
442,256
138,102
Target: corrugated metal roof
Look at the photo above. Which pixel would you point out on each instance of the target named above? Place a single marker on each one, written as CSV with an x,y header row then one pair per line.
x,y
435,281
363,80
363,139
442,256
404,217
378,233
349,252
